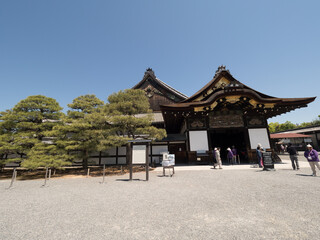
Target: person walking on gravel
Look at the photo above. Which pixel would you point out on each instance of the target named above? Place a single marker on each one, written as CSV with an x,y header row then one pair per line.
x,y
217,155
313,159
293,156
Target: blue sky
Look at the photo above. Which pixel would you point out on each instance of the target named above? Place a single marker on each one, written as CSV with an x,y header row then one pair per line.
x,y
66,48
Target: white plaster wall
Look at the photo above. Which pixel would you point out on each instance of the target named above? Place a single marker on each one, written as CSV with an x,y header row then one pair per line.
x,y
108,160
159,149
259,135
198,140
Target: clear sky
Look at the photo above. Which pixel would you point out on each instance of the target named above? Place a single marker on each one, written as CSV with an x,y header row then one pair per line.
x,y
67,48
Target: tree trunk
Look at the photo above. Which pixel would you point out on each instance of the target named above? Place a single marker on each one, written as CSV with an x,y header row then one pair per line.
x,y
85,159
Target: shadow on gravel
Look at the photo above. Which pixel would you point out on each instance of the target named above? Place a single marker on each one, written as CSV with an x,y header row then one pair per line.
x,y
304,175
128,180
164,176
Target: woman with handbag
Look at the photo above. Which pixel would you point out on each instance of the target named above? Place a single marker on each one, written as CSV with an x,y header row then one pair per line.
x,y
313,159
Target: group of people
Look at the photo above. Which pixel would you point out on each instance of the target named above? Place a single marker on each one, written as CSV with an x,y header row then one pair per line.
x,y
310,154
231,156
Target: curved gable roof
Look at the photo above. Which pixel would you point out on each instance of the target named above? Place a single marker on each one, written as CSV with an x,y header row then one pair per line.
x,y
225,88
159,85
221,78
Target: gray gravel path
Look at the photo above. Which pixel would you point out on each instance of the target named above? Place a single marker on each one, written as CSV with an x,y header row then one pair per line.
x,y
208,204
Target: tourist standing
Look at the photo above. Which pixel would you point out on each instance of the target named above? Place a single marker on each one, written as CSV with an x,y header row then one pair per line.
x,y
293,156
259,155
282,149
234,152
214,162
313,159
230,156
218,158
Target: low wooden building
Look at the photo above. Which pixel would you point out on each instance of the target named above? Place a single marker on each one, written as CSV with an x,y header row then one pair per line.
x,y
224,113
313,131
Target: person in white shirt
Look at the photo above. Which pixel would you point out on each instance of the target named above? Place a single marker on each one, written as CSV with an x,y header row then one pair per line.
x,y
218,158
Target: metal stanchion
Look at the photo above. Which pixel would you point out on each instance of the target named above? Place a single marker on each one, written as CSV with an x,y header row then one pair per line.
x,y
104,173
46,177
14,177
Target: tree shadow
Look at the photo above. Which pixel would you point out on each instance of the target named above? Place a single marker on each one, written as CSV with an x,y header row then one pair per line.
x,y
165,175
128,180
304,175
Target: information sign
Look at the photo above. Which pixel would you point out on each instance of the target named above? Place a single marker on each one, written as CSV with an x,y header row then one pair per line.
x,y
267,160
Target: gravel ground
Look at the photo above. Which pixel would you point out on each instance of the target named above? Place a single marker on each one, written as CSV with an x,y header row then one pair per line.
x,y
209,204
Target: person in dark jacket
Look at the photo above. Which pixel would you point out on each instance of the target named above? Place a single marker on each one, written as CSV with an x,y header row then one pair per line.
x,y
313,159
234,152
259,155
293,156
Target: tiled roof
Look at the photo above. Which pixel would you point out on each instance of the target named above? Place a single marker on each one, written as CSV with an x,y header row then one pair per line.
x,y
172,89
288,135
157,117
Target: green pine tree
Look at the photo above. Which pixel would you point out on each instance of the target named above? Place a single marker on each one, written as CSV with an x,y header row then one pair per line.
x,y
83,128
26,127
130,115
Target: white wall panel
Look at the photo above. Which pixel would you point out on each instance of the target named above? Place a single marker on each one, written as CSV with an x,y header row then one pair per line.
x,y
112,151
198,140
122,160
108,160
159,149
122,150
94,154
93,161
259,135
156,159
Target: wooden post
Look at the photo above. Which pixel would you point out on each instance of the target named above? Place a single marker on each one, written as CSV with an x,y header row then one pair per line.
x,y
15,174
49,174
104,172
121,170
45,178
130,160
88,172
14,177
147,163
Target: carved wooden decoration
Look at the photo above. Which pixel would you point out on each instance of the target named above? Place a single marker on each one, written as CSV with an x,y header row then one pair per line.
x,y
197,123
226,121
255,121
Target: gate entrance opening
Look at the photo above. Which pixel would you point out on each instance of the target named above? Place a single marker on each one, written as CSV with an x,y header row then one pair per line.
x,y
226,138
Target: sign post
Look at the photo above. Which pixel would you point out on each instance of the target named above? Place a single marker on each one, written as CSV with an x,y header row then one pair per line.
x,y
267,161
139,155
168,161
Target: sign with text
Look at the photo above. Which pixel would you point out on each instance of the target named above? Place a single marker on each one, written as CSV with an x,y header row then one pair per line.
x,y
139,154
168,160
267,160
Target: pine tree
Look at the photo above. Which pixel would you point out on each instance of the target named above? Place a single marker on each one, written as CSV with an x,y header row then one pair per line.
x,y
129,112
7,146
27,125
46,155
83,128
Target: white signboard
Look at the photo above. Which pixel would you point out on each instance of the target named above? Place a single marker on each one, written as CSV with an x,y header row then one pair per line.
x,y
259,135
198,140
139,154
169,161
